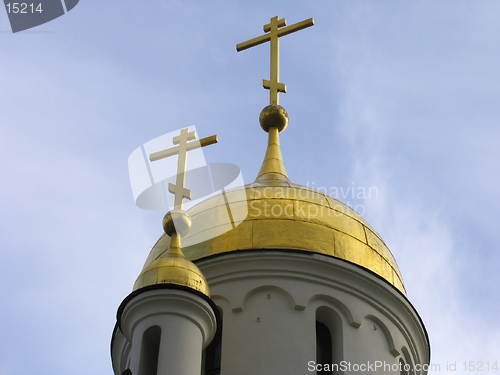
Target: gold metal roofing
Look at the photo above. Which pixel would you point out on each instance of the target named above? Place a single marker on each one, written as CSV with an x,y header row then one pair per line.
x,y
283,215
173,268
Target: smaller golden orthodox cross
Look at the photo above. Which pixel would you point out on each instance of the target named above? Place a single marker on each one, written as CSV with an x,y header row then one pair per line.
x,y
179,189
274,30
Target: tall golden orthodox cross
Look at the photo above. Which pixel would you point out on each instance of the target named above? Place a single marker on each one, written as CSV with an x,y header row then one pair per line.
x,y
274,30
179,189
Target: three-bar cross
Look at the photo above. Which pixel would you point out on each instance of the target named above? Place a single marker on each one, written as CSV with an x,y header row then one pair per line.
x,y
179,189
274,30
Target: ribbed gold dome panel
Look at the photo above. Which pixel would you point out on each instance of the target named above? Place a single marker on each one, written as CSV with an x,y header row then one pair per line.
x,y
282,215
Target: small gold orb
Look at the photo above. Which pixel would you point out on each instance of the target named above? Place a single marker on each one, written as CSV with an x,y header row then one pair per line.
x,y
273,116
177,221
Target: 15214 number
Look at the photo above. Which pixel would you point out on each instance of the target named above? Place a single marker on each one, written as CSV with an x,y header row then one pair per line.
x,y
23,8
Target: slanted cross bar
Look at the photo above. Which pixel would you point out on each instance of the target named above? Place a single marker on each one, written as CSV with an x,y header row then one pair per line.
x,y
274,30
179,189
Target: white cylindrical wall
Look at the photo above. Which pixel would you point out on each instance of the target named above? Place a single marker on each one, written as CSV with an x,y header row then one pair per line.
x,y
272,299
263,338
270,302
187,323
180,351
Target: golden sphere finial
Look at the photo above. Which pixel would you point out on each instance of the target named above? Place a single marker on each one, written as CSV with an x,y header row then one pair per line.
x,y
177,221
273,116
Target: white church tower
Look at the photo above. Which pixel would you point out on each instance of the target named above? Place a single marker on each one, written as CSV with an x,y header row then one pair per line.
x,y
302,285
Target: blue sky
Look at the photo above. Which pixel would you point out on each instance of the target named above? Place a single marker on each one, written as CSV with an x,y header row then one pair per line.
x,y
399,96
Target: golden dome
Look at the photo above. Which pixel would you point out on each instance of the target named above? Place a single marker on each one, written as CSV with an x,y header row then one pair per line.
x,y
173,270
282,215
172,267
273,213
